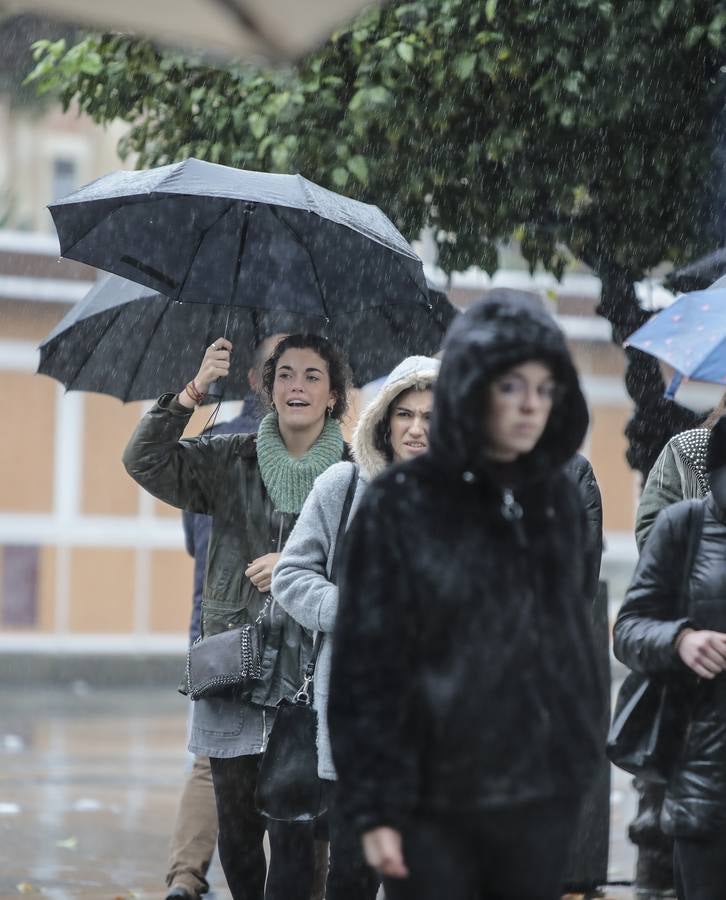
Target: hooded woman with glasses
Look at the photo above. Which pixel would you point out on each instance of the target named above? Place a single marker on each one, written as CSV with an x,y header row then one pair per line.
x,y
465,703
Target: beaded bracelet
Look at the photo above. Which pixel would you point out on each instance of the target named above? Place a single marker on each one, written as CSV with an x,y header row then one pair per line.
x,y
194,393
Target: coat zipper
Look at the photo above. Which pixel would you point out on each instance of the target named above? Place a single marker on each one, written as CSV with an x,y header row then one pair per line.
x,y
513,513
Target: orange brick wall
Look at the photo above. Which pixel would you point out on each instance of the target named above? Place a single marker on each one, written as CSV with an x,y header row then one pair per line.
x,y
102,589
171,590
607,455
27,445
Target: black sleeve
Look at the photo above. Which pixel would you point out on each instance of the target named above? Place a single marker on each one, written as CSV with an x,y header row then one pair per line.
x,y
372,675
650,619
589,490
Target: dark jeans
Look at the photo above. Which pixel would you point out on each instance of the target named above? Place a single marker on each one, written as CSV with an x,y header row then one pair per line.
x,y
510,854
241,829
349,876
700,868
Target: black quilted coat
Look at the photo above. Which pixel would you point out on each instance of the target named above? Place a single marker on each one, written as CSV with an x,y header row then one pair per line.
x,y
649,621
463,674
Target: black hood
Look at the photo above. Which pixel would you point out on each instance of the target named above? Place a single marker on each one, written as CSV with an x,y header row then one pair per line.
x,y
505,329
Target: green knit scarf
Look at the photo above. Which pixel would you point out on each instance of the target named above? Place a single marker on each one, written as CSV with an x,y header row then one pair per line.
x,y
289,481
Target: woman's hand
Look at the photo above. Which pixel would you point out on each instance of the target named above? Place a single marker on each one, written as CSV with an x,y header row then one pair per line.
x,y
383,851
702,651
259,571
215,364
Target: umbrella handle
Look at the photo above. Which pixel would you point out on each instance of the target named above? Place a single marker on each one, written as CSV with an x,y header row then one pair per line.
x,y
215,391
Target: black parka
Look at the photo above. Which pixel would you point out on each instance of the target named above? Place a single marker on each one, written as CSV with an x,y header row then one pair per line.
x,y
463,675
650,620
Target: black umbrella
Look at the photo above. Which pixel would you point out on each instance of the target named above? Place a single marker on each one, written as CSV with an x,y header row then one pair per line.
x,y
208,234
699,274
204,233
130,342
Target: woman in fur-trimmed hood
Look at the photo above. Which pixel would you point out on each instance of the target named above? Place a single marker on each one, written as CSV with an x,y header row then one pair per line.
x,y
465,705
392,428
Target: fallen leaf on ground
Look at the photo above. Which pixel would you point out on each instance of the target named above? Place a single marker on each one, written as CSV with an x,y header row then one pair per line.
x,y
25,887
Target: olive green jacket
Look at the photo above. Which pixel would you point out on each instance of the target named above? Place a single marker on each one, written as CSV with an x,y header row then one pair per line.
x,y
679,473
219,476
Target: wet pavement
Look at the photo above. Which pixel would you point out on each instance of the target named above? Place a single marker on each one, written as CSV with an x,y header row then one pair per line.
x,y
89,787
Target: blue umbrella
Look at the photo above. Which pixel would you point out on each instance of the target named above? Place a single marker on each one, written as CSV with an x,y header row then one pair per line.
x,y
690,336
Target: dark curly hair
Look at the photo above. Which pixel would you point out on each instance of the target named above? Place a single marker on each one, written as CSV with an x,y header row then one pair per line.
x,y
338,370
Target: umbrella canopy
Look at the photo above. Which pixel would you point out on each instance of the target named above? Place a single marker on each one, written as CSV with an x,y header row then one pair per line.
x,y
130,342
204,233
277,30
690,336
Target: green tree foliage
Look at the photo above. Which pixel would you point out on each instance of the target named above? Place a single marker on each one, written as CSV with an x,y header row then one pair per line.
x,y
583,127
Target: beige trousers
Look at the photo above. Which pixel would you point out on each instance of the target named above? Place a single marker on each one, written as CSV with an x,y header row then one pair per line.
x,y
195,831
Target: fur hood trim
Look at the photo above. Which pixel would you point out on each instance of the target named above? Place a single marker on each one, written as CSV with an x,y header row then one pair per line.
x,y
417,372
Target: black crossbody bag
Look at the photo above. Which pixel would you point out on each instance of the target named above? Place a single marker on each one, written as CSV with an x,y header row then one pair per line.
x,y
288,786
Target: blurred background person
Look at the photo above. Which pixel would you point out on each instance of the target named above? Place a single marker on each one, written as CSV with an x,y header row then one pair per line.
x,y
679,473
683,640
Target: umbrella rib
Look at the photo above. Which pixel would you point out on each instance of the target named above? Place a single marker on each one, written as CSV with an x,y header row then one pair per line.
x,y
287,225
142,355
202,234
412,279
82,366
104,218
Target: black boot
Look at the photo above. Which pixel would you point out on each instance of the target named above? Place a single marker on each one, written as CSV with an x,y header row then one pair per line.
x,y
654,870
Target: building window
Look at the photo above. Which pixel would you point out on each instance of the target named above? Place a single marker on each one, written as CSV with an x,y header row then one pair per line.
x,y
65,180
19,585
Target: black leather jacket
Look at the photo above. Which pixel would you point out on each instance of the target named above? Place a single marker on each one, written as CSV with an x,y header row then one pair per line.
x,y
649,622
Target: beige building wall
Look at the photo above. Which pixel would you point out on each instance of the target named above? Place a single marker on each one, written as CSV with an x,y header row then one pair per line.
x,y
44,156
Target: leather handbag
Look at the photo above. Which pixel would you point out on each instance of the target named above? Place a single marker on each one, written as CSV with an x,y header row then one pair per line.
x,y
649,719
225,663
288,787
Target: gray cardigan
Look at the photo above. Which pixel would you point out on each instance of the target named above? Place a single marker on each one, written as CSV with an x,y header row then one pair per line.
x,y
300,581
